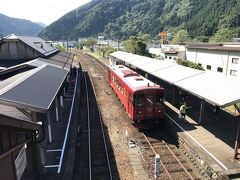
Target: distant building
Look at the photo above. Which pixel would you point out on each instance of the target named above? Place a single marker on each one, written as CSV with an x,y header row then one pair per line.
x,y
69,44
16,49
82,39
166,51
222,58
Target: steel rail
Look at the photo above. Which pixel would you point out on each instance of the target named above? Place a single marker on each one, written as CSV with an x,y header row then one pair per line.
x,y
103,132
165,169
98,67
168,174
185,170
89,131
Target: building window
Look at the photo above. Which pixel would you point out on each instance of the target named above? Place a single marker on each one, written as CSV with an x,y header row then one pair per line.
x,y
235,60
175,58
165,57
233,73
219,69
170,57
209,67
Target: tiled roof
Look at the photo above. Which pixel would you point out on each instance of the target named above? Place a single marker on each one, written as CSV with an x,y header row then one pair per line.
x,y
36,43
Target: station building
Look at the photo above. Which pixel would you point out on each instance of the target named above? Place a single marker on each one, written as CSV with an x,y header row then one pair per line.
x,y
168,52
32,84
15,49
221,58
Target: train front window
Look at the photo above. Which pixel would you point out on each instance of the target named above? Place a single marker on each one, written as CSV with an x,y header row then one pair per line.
x,y
139,101
149,101
159,100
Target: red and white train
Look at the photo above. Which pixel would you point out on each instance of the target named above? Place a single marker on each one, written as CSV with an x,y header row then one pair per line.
x,y
142,99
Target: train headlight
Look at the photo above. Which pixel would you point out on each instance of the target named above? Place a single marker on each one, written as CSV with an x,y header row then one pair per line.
x,y
138,112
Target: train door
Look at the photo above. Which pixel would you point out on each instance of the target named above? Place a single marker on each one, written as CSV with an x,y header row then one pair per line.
x,y
139,106
149,105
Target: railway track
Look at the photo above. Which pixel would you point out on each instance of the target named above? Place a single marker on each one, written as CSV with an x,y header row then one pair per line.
x,y
92,159
173,163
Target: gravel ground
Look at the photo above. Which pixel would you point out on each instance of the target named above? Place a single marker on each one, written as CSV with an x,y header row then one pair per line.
x,y
116,121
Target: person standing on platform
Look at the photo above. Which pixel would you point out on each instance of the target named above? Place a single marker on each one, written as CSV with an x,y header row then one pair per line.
x,y
183,110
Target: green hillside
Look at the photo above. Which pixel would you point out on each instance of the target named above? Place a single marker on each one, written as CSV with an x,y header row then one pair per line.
x,y
9,25
119,19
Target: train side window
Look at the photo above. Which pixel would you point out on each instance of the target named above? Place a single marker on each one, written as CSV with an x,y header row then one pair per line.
x,y
159,100
139,100
149,101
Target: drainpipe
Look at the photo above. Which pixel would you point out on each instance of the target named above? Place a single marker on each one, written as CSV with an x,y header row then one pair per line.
x,y
228,54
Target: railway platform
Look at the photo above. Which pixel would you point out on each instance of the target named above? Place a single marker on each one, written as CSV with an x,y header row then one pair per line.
x,y
211,144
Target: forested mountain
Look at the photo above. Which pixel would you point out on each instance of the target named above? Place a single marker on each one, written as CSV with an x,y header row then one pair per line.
x,y
120,19
10,25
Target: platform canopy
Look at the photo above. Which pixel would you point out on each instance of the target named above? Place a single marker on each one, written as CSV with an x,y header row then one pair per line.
x,y
142,61
213,87
34,89
172,74
156,65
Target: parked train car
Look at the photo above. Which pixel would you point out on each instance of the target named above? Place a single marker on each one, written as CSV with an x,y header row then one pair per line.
x,y
142,99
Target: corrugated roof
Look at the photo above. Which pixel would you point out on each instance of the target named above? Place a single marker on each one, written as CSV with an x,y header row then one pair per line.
x,y
213,87
35,89
215,47
36,43
172,74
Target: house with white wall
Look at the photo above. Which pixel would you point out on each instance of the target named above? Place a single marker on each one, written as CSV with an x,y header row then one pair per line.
x,y
168,51
222,58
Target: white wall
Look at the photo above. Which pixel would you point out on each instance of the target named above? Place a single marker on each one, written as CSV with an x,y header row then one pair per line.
x,y
215,59
232,66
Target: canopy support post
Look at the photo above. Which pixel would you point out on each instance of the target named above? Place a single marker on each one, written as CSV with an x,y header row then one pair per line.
x,y
237,142
61,101
173,96
201,111
34,116
49,127
56,101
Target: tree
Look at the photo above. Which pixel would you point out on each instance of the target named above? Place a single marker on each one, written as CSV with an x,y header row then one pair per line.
x,y
181,36
189,64
135,45
145,37
91,42
223,35
60,47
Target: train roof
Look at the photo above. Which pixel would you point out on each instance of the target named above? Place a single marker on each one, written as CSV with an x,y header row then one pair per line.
x,y
133,79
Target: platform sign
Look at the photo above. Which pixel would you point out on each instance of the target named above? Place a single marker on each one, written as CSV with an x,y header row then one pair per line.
x,y
21,163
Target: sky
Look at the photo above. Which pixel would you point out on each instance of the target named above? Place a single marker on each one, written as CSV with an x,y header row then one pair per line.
x,y
45,11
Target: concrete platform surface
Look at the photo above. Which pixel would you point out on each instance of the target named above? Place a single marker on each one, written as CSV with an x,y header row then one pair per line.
x,y
213,140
